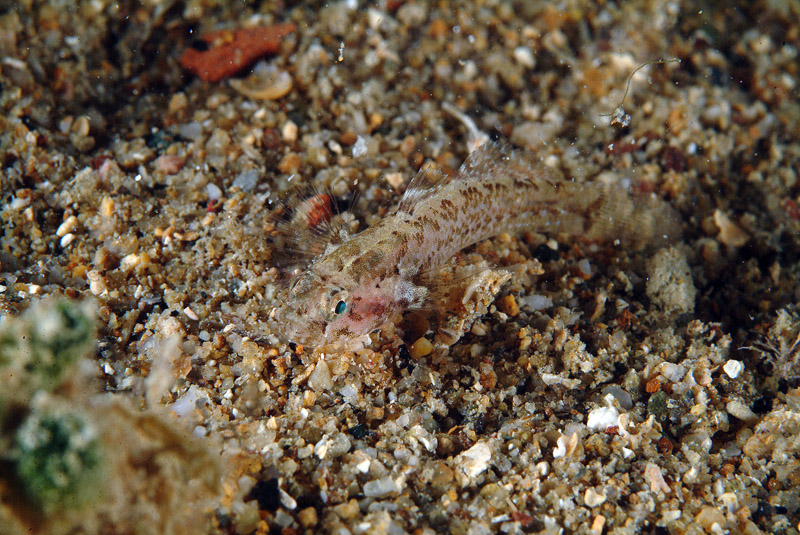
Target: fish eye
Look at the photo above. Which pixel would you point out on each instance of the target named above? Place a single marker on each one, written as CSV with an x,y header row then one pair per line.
x,y
335,305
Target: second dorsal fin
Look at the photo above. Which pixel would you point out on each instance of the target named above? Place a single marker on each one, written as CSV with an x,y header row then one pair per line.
x,y
482,161
427,181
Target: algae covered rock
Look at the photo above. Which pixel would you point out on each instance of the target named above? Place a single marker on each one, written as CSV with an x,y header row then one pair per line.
x,y
59,458
39,348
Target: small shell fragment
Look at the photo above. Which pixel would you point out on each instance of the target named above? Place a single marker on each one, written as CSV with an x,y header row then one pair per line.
x,y
729,232
267,83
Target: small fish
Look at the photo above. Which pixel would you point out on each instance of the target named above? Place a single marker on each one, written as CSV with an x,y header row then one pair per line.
x,y
368,280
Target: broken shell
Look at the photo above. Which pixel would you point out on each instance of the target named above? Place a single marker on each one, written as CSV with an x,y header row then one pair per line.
x,y
267,83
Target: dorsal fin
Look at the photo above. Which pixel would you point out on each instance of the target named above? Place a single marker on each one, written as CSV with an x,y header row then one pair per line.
x,y
308,224
428,180
489,156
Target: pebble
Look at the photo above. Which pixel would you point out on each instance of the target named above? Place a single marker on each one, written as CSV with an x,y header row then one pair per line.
x,y
320,379
308,517
652,473
733,368
671,372
597,525
602,418
66,240
708,516
168,164
247,180
193,130
81,126
289,164
177,102
359,147
213,191
69,225
286,500
593,498
380,488
508,305
623,397
669,284
348,510
289,132
475,460
421,348
443,476
524,56
218,143
395,179
740,410
536,302
97,284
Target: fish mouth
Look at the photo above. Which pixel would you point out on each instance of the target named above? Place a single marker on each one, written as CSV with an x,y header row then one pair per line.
x,y
297,329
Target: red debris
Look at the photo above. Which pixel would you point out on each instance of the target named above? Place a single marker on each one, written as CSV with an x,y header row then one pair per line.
x,y
231,51
792,209
675,160
524,519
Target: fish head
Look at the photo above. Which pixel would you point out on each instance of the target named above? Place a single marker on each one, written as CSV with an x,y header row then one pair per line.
x,y
330,309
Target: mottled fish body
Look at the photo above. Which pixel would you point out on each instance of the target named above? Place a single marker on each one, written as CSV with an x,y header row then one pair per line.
x,y
365,282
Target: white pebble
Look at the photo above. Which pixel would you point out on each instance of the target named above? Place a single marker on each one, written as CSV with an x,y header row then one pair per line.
x,y
738,409
542,468
524,57
186,404
67,239
672,372
733,368
320,379
363,466
289,132
246,180
129,261
97,284
475,460
378,488
561,448
214,193
321,447
286,500
67,226
536,302
585,267
349,393
603,418
359,147
592,498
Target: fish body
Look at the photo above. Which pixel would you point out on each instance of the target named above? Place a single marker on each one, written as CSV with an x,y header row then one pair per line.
x,y
369,279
